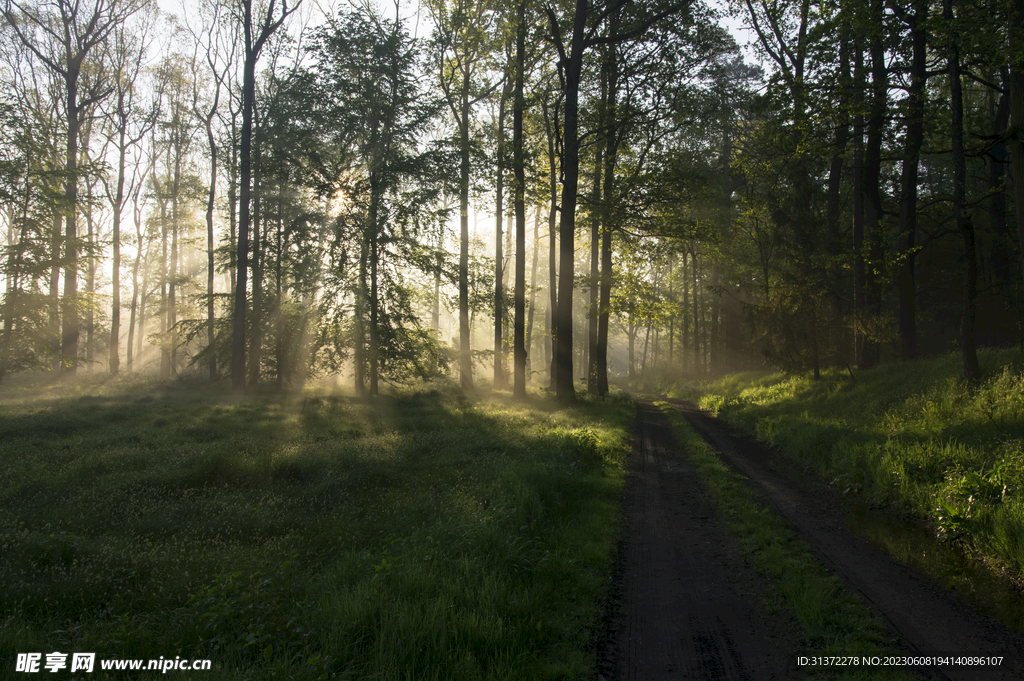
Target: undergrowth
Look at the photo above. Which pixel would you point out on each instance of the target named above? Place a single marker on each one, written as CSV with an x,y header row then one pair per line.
x,y
911,435
417,535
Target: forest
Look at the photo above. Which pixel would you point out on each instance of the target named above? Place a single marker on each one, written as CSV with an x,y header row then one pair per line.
x,y
277,192
325,331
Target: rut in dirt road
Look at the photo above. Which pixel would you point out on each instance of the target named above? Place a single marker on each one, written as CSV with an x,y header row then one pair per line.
x,y
926,618
690,608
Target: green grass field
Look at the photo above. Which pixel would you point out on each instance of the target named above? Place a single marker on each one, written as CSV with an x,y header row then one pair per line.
x,y
911,435
419,535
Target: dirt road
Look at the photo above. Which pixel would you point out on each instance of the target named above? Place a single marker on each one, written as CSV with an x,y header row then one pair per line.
x,y
691,609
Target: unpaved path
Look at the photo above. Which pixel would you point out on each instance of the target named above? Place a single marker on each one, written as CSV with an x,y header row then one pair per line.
x,y
690,608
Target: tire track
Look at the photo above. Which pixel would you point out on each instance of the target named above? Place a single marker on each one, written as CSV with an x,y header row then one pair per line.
x,y
928,619
690,608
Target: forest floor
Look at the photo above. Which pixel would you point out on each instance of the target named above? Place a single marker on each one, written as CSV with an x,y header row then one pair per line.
x,y
697,600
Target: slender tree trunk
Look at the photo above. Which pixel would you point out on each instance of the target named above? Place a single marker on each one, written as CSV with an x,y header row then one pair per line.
x,y
552,243
279,340
54,289
143,299
963,221
684,323
244,222
211,269
172,302
873,214
911,157
359,320
90,245
533,291
374,349
837,238
140,250
114,352
631,334
608,192
257,259
70,321
859,268
465,352
1015,27
435,314
697,363
519,162
165,355
234,163
593,308
500,382
573,68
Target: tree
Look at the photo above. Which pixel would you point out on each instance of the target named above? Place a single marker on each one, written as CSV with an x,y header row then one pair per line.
x,y
368,112
462,45
204,108
128,126
518,165
256,31
68,37
586,24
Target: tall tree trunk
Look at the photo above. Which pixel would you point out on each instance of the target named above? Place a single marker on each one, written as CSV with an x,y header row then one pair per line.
x,y
963,221
594,294
257,259
70,321
465,352
500,381
165,355
359,320
374,349
234,168
859,268
873,214
518,163
684,322
911,157
114,351
244,221
573,68
533,290
435,313
608,200
837,237
697,363
1015,26
56,241
211,269
552,243
172,298
279,339
90,245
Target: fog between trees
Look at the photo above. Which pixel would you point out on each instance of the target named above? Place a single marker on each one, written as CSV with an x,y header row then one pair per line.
x,y
527,192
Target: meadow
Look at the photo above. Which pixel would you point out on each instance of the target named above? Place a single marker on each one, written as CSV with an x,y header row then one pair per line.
x,y
910,436
420,534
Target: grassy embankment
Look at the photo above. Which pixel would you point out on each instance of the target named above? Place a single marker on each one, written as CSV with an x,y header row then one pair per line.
x,y
833,622
912,436
420,535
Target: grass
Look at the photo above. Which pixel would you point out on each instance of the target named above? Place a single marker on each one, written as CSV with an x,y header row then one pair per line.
x,y
418,535
833,622
913,436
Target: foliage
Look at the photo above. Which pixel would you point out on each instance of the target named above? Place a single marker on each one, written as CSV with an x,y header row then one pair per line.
x,y
910,435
